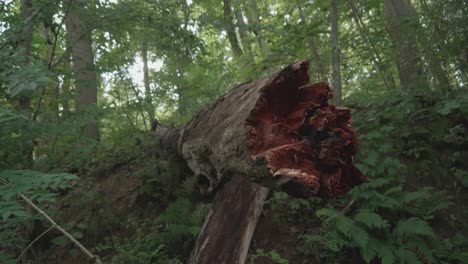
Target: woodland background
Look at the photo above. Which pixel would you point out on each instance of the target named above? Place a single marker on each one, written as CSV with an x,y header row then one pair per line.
x,y
82,82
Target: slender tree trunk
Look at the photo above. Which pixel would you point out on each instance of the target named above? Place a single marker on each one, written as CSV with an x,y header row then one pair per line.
x,y
434,60
386,75
321,70
228,20
257,27
243,34
24,100
50,96
146,81
335,52
435,64
26,12
402,33
83,65
66,93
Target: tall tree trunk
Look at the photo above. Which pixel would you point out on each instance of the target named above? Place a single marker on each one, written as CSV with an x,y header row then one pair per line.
x,y
24,100
231,33
321,70
335,52
66,93
83,64
435,64
243,34
146,81
257,27
434,60
376,59
402,33
26,12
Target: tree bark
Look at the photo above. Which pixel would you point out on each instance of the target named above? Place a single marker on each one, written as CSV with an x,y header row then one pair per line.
x,y
276,126
66,92
26,12
231,33
410,70
278,132
83,65
257,27
146,82
24,101
335,51
225,237
243,34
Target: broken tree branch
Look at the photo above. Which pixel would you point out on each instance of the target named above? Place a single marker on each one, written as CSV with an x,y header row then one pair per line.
x,y
54,224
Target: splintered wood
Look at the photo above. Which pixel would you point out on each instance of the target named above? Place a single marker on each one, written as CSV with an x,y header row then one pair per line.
x,y
308,144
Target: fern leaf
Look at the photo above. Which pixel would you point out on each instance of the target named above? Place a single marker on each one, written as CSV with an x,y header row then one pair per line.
x,y
407,256
370,219
413,226
356,234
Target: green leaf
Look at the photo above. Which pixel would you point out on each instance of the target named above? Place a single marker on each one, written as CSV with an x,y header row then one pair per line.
x,y
370,219
407,256
60,240
413,226
358,235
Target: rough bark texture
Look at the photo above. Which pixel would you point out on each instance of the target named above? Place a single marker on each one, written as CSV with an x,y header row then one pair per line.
x,y
230,224
335,51
278,130
83,64
277,126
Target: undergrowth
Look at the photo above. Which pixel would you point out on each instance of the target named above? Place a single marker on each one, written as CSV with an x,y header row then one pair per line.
x,y
394,218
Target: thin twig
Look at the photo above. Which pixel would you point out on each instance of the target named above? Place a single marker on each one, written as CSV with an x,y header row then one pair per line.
x,y
60,229
34,241
54,224
346,209
51,59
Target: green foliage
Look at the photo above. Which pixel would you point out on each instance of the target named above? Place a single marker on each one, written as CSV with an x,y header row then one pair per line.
x,y
273,256
39,187
408,140
167,239
391,223
289,209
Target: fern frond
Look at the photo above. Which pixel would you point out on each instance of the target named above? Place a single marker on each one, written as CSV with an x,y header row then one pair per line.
x,y
413,226
370,219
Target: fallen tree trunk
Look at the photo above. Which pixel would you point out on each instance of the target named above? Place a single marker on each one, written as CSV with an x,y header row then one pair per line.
x,y
230,225
279,126
274,131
